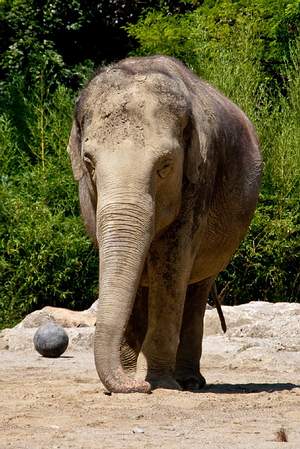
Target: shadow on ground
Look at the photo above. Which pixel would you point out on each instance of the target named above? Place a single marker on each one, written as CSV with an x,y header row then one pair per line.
x,y
248,388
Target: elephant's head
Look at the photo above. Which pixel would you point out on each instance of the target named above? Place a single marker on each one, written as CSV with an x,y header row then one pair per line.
x,y
132,142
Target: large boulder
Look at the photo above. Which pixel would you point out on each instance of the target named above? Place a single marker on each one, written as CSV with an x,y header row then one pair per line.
x,y
254,330
63,317
257,319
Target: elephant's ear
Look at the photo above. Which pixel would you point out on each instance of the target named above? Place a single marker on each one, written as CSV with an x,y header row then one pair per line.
x,y
87,195
196,151
74,146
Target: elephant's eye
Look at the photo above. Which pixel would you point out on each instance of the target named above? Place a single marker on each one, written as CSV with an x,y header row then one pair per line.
x,y
164,170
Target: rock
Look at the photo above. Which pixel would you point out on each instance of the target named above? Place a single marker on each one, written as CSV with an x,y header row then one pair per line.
x,y
51,340
63,317
4,339
138,430
94,307
265,332
257,319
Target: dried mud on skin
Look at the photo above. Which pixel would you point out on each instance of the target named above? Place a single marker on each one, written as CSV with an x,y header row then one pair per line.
x,y
61,404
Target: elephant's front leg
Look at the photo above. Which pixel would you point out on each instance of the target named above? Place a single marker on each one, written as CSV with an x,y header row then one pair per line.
x,y
190,348
167,289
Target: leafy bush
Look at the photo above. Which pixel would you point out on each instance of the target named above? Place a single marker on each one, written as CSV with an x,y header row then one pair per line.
x,y
215,29
64,40
266,267
249,50
45,256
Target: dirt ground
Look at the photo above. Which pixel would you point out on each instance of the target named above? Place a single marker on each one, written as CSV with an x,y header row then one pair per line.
x,y
59,403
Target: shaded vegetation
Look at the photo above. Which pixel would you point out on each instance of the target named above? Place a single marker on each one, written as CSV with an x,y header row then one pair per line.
x,y
63,40
249,50
45,255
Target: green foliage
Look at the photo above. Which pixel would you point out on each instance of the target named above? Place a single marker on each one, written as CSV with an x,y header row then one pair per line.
x,y
35,121
65,40
260,30
45,256
249,50
266,267
280,133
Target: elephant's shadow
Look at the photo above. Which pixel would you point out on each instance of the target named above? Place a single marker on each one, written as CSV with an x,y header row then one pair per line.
x,y
247,388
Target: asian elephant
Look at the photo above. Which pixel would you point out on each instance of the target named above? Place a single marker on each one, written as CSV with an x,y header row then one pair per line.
x,y
169,172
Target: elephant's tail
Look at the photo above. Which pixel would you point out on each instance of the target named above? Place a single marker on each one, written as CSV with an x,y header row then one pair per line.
x,y
217,301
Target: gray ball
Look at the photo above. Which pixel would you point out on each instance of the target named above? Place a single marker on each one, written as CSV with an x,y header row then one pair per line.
x,y
51,340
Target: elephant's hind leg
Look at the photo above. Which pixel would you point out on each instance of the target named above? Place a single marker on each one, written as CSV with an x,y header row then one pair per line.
x,y
190,347
135,331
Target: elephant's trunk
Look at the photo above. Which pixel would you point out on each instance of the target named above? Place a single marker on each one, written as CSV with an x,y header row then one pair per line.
x,y
124,232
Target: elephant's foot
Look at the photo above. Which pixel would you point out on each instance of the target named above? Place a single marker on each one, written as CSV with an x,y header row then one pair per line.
x,y
121,383
156,375
164,381
191,382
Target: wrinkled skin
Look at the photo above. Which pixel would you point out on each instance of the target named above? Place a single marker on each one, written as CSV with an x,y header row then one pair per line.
x,y
168,173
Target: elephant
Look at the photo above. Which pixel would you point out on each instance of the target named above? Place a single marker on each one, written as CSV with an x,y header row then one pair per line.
x,y
169,172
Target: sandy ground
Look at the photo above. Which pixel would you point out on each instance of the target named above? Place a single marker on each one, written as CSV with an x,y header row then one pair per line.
x,y
59,403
